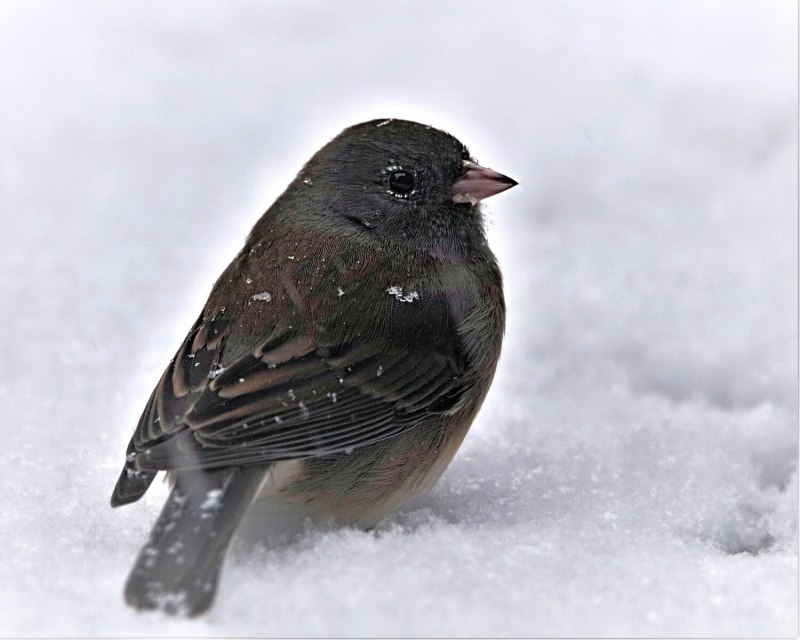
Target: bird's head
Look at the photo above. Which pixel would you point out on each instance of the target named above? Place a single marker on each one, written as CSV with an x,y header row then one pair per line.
x,y
398,180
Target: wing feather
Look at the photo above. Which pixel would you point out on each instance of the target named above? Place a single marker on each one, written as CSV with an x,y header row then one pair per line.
x,y
234,397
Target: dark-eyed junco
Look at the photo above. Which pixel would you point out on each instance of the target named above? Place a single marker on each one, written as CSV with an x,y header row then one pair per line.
x,y
338,363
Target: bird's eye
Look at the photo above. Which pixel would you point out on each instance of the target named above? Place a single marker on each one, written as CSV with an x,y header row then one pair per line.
x,y
401,183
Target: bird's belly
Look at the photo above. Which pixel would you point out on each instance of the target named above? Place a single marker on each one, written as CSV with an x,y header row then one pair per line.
x,y
362,487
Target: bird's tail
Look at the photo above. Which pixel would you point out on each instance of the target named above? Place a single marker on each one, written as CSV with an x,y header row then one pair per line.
x,y
178,568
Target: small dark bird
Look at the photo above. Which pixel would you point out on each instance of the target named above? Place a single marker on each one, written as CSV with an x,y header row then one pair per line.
x,y
338,363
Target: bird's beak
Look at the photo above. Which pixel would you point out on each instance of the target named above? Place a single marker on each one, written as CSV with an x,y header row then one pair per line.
x,y
477,183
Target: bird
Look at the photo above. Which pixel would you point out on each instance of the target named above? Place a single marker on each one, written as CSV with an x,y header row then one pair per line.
x,y
338,363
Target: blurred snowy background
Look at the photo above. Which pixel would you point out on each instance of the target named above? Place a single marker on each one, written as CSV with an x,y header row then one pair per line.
x,y
634,471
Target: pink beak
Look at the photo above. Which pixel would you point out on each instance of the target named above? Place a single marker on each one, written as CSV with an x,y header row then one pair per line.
x,y
478,182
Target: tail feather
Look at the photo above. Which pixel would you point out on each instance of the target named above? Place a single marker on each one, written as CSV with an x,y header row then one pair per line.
x,y
132,483
178,569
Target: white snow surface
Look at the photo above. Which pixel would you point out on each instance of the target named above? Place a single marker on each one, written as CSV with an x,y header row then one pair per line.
x,y
633,471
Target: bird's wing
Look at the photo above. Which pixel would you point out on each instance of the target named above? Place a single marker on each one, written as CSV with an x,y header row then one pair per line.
x,y
290,396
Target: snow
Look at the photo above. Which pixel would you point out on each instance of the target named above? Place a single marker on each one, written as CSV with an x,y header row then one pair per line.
x,y
397,292
213,500
216,369
634,469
